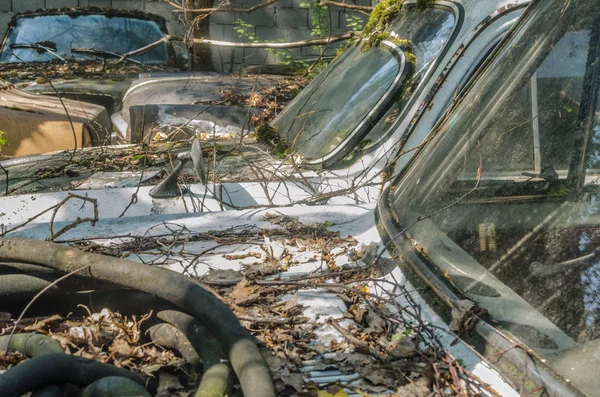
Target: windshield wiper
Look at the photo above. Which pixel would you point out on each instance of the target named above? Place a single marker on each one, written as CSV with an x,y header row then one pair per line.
x,y
102,53
42,46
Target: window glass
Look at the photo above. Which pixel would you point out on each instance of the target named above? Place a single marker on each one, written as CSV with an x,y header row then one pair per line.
x,y
64,32
330,108
506,198
430,31
338,102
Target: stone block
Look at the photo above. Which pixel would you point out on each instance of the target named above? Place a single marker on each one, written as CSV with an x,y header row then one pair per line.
x,y
5,5
4,20
257,56
160,8
61,3
216,31
292,18
298,34
224,18
224,58
128,4
27,5
261,17
176,28
96,3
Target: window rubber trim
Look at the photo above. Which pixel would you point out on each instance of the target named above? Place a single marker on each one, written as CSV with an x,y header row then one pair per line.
x,y
512,352
374,114
458,11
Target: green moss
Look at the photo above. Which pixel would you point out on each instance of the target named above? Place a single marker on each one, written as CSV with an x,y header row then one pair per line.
x,y
423,4
382,15
266,133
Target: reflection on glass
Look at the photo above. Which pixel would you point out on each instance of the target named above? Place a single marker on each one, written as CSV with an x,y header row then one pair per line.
x,y
326,112
510,190
430,31
63,32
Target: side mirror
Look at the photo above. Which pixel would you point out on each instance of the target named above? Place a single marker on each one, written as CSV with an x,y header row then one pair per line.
x,y
198,161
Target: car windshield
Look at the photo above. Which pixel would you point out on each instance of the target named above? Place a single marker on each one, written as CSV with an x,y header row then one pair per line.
x,y
505,200
37,39
345,100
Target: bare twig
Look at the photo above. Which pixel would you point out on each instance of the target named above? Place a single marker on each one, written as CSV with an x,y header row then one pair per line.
x,y
223,9
6,173
293,44
78,221
344,5
46,288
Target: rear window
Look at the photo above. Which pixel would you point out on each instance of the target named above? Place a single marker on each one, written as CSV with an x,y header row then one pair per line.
x,y
61,33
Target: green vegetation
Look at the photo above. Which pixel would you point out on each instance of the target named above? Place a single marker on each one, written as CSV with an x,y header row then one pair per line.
x,y
382,15
266,133
3,140
246,30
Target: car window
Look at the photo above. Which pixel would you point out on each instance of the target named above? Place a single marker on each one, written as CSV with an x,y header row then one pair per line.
x,y
506,199
62,33
430,31
330,108
342,101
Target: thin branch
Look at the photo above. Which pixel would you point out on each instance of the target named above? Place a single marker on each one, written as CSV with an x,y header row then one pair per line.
x,y
143,50
78,221
46,288
292,44
344,5
5,172
221,9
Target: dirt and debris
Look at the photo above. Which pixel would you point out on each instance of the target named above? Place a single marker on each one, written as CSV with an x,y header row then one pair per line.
x,y
41,72
375,339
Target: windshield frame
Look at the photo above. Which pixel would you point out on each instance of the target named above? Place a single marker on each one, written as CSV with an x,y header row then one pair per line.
x,y
499,348
458,12
88,11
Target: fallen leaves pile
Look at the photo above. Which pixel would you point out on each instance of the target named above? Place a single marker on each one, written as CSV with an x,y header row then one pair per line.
x,y
380,347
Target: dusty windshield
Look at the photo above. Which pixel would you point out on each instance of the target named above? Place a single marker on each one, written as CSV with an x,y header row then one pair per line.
x,y
52,37
343,101
506,199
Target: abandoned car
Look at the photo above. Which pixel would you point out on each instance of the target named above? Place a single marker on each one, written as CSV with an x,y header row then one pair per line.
x,y
33,125
495,211
500,209
72,48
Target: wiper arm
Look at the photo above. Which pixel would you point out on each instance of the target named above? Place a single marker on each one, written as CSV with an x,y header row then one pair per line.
x,y
40,47
103,53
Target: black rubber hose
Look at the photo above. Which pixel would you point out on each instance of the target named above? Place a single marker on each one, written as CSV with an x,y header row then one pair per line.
x,y
239,345
114,386
125,301
217,380
166,335
55,368
34,345
75,282
19,286
31,345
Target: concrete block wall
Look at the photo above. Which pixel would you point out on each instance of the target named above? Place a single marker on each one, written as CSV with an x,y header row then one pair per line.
x,y
284,21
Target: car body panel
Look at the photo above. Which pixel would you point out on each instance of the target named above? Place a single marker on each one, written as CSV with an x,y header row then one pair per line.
x,y
354,216
34,124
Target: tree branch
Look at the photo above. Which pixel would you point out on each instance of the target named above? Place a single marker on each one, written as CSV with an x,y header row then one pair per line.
x,y
293,44
344,5
221,9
